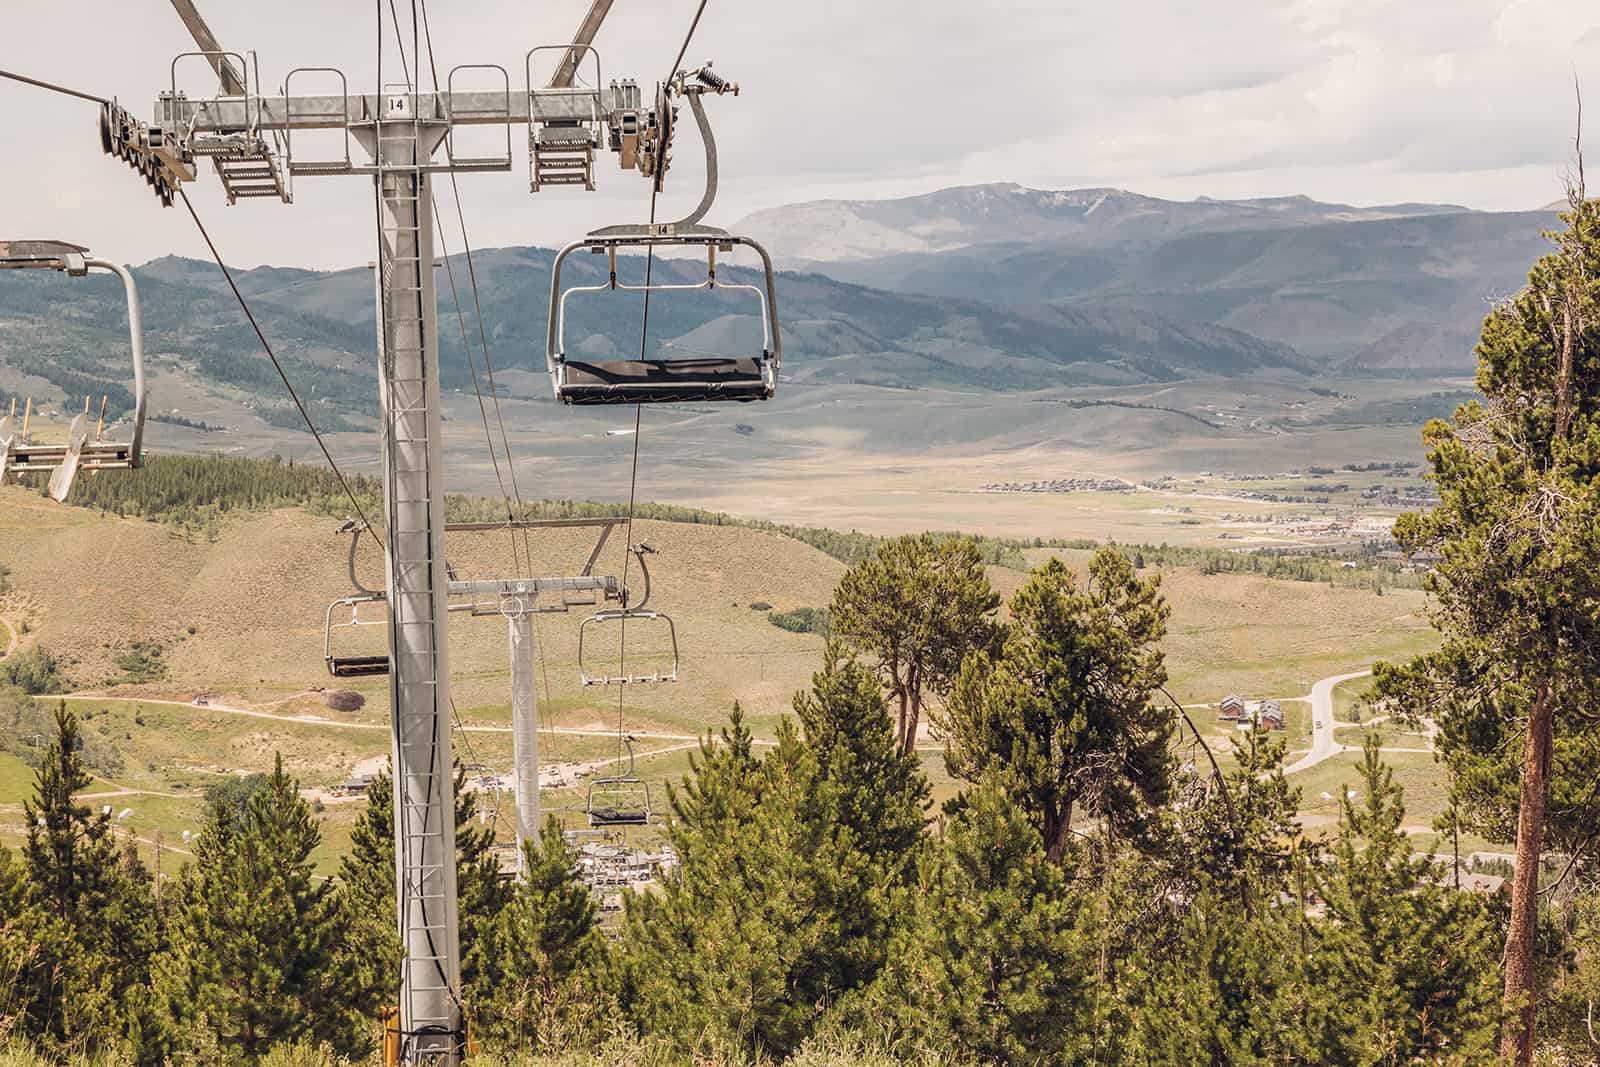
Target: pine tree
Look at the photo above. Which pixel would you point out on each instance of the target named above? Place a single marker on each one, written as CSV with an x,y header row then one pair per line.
x,y
865,815
369,953
995,965
1066,708
254,932
89,910
1231,992
793,875
1518,529
917,606
539,966
1407,968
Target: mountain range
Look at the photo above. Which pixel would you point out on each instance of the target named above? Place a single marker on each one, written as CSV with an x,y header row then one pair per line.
x,y
993,287
1399,287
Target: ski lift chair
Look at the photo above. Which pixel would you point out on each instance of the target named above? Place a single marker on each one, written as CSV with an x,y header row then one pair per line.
x,y
662,380
81,452
588,674
619,799
364,666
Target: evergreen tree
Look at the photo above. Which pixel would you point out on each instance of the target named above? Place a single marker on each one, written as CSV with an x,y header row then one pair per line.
x,y
539,965
1231,994
369,953
917,606
865,813
793,875
254,932
90,912
1238,838
1066,708
1518,530
995,965
70,850
1405,967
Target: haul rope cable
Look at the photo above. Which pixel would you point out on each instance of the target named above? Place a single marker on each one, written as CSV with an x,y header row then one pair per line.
x,y
638,409
267,347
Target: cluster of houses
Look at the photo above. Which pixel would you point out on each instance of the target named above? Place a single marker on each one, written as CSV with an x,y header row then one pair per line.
x,y
1268,714
1062,485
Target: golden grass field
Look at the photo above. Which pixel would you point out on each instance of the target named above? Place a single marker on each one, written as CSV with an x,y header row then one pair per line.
x,y
87,585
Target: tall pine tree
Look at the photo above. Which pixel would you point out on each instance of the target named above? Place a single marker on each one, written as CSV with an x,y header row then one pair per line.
x,y
539,966
254,933
1406,967
1517,531
794,875
995,964
90,907
1066,708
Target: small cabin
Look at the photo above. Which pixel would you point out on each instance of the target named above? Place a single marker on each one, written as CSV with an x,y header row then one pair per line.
x,y
1232,707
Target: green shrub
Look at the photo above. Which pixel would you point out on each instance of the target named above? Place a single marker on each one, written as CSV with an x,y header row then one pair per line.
x,y
142,663
800,620
33,670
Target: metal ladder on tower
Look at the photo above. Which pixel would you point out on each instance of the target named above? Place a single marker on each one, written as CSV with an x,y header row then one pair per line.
x,y
247,168
404,274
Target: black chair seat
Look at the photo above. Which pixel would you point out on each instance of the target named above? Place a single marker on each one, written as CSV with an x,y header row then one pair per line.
x,y
646,381
615,817
358,666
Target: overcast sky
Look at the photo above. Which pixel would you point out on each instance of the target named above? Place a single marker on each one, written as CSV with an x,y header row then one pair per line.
x,y
1361,101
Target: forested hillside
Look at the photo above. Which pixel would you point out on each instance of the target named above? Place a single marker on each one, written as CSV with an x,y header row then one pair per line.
x,y
71,339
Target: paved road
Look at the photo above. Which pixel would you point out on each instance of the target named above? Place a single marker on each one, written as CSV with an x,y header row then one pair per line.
x,y
1323,746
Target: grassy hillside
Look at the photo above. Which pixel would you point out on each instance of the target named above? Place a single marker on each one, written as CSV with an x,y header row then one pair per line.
x,y
156,613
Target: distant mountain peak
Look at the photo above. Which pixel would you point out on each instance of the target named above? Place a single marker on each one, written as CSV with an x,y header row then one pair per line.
x,y
962,216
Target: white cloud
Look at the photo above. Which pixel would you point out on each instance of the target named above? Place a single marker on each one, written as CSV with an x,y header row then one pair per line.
x,y
1354,100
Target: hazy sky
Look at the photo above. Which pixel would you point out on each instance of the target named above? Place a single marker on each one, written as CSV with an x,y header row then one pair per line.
x,y
1363,101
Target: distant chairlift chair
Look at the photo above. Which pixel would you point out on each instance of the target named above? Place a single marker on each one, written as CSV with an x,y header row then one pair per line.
x,y
589,674
620,799
359,666
81,451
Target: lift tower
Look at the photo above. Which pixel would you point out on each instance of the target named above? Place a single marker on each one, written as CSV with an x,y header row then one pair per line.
x,y
250,137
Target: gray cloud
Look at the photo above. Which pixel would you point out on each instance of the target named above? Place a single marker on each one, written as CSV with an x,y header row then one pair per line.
x,y
1357,100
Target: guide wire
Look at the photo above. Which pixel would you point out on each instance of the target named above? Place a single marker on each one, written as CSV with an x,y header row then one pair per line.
x,y
494,392
267,347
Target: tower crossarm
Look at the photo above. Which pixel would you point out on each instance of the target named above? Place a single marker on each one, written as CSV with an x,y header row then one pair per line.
x,y
332,111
